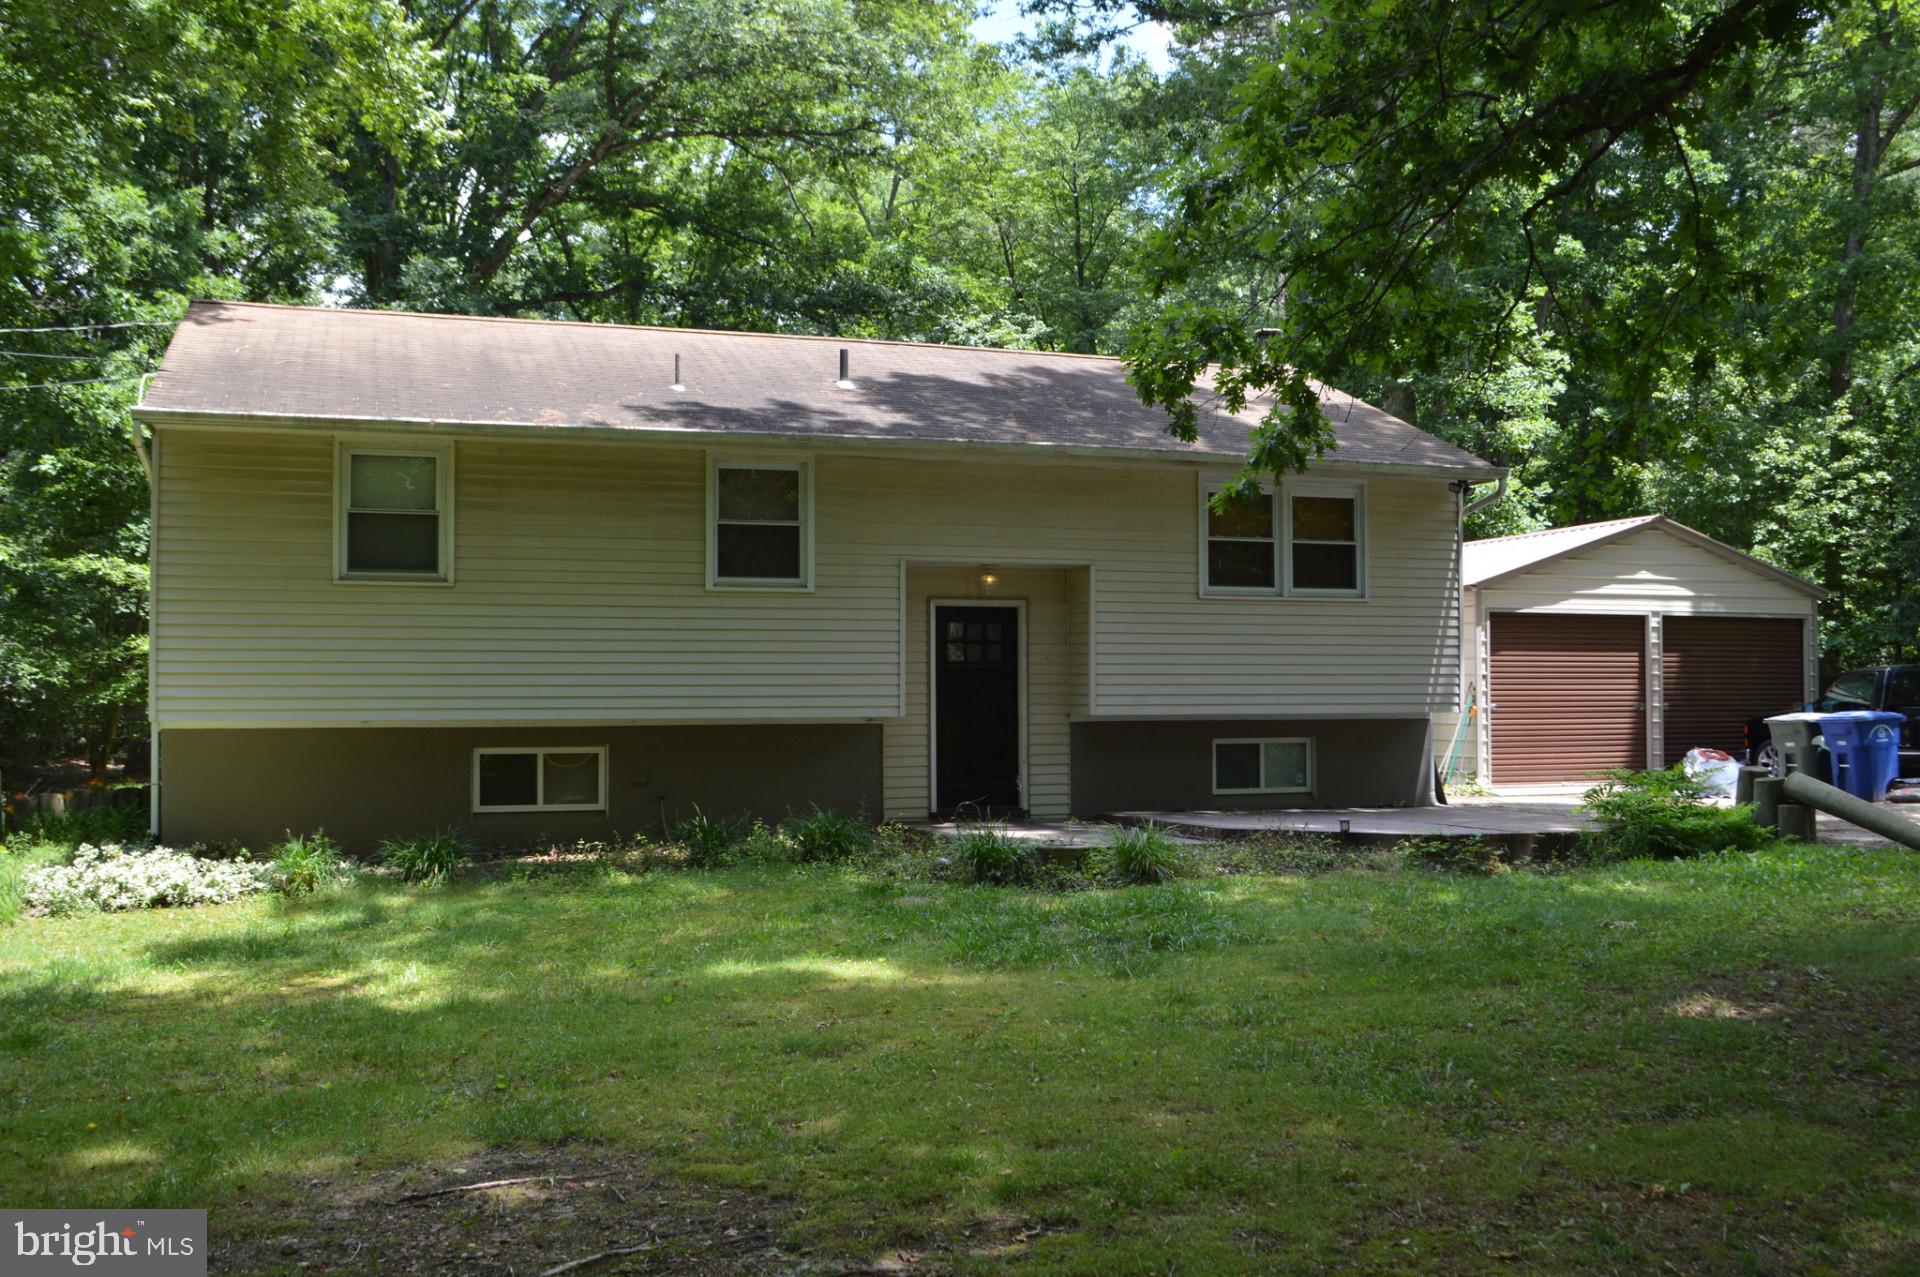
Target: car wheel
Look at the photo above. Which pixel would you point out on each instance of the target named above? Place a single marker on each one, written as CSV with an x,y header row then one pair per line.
x,y
1768,757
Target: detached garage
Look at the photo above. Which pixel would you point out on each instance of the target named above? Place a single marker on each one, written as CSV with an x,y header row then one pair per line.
x,y
1619,644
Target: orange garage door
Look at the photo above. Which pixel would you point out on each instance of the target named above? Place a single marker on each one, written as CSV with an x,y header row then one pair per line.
x,y
1568,695
1718,672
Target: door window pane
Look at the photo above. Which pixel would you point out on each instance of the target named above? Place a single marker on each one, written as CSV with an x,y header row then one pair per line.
x,y
1236,765
758,551
571,779
1849,691
393,542
759,495
509,780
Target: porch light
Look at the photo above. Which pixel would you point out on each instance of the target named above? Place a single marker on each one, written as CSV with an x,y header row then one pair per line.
x,y
989,581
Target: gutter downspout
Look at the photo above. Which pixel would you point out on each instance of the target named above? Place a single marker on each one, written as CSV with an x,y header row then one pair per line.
x,y
1475,507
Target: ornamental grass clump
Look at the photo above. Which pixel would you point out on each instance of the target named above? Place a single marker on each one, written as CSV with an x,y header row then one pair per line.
x,y
112,876
1144,856
825,836
306,863
428,858
992,857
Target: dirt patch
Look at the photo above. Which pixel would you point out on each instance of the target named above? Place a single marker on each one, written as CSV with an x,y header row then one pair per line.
x,y
570,1212
565,1205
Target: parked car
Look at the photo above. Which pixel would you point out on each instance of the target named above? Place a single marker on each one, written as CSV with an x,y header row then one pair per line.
x,y
1884,687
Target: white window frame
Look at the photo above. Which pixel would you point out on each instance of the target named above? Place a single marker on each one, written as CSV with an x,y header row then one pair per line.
x,y
344,452
1281,496
539,753
1213,763
802,466
1355,492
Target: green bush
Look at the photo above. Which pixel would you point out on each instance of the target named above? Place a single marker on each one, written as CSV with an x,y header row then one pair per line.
x,y
428,858
1143,855
825,836
1453,855
708,842
100,824
1663,815
991,857
306,863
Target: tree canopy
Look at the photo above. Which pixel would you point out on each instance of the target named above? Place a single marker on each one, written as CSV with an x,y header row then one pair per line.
x,y
1650,255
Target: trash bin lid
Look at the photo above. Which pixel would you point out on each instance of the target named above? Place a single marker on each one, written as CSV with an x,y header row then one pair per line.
x,y
1799,716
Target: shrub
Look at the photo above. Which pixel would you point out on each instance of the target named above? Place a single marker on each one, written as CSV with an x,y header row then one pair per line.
x,y
112,876
306,863
990,856
1143,854
1453,855
708,842
765,844
1663,815
105,824
429,858
825,836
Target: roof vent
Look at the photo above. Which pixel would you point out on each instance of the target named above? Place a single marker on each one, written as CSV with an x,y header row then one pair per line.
x,y
676,375
844,383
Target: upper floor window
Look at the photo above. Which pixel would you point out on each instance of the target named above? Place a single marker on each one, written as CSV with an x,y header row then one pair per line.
x,y
395,513
760,524
1307,539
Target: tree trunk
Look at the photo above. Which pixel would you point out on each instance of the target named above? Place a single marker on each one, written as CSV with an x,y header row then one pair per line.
x,y
100,748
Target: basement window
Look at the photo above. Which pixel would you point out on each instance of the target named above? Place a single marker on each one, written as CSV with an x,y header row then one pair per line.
x,y
1272,765
759,527
394,514
558,779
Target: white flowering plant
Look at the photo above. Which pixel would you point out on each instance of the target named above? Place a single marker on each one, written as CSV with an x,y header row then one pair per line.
x,y
130,876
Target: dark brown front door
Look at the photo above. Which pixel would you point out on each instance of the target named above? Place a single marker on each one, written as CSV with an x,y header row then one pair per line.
x,y
976,697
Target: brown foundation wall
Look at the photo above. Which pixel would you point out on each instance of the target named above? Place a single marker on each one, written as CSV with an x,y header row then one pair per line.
x,y
365,784
1168,765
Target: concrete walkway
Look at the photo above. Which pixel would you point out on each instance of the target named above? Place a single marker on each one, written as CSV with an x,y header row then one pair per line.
x,y
1497,818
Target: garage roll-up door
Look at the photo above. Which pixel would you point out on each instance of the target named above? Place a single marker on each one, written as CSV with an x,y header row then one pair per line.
x,y
1568,696
1719,671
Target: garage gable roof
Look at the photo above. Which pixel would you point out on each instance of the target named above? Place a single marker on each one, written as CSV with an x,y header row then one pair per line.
x,y
313,365
1498,558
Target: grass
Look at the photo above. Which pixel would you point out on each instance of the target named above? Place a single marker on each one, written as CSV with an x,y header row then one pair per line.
x,y
1710,1064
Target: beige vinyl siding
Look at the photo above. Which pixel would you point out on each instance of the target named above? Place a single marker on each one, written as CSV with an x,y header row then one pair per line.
x,y
580,596
907,741
1446,723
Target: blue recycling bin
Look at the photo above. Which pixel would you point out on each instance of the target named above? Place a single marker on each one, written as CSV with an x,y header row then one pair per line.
x,y
1865,748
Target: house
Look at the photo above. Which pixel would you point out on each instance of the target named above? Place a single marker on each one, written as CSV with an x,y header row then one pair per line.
x,y
1611,644
543,577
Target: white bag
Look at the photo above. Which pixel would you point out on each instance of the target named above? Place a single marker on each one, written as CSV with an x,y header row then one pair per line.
x,y
1714,768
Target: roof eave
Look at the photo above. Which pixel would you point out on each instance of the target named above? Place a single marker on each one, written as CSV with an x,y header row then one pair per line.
x,y
155,415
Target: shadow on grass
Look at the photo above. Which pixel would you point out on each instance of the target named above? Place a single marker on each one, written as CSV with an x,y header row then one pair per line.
x,y
911,1058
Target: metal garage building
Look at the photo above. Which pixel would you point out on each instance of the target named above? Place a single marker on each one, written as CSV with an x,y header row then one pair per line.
x,y
1620,644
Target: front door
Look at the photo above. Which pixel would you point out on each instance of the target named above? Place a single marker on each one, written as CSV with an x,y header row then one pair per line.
x,y
976,698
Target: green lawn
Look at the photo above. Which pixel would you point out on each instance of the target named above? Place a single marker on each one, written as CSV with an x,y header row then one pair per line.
x,y
1713,1064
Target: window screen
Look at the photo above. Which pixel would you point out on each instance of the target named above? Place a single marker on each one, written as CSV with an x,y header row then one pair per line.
x,y
1240,545
1326,543
758,525
539,779
393,514
1262,766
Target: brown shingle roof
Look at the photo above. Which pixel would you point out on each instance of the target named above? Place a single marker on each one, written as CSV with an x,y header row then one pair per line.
x,y
233,358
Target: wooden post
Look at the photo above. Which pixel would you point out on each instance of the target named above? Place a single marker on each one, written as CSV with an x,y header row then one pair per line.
x,y
1766,801
1743,783
1796,821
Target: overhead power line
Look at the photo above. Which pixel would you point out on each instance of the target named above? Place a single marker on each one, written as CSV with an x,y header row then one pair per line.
x,y
87,328
47,385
